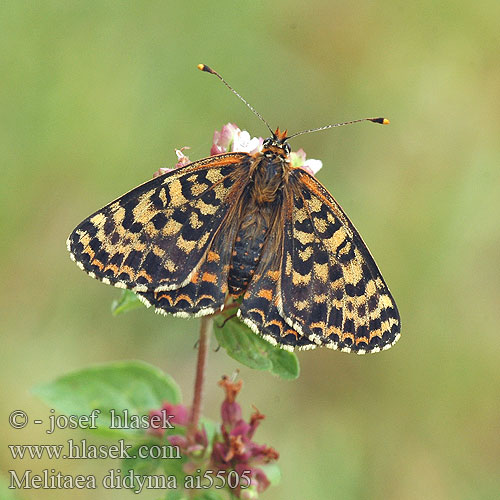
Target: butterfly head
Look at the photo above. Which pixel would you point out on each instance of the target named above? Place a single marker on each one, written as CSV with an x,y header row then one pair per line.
x,y
276,145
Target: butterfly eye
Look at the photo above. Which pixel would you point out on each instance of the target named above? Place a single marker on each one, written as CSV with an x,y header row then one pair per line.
x,y
287,148
267,142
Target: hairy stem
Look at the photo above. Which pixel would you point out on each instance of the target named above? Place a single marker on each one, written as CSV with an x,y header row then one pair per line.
x,y
206,327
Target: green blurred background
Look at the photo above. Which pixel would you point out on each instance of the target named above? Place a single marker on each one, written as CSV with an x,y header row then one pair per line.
x,y
95,96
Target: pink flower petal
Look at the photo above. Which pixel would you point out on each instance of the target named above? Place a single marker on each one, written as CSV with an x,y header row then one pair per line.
x,y
312,166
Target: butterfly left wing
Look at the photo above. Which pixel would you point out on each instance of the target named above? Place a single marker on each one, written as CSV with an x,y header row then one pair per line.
x,y
207,288
155,236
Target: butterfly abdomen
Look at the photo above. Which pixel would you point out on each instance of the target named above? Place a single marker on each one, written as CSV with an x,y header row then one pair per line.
x,y
247,250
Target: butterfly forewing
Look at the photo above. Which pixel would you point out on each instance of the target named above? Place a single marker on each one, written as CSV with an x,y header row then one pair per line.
x,y
332,291
155,237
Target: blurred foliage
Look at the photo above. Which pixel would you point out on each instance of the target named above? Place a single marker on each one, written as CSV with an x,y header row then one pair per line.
x,y
96,96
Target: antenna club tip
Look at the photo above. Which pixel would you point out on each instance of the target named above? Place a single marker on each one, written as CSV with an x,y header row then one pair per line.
x,y
382,121
204,67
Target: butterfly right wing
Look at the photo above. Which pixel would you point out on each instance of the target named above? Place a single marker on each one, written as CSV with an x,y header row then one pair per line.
x,y
316,283
332,290
154,237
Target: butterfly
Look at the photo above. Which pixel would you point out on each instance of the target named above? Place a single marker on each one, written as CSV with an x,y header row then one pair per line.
x,y
253,229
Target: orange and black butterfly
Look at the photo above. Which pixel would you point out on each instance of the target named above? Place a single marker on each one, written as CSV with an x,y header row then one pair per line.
x,y
246,227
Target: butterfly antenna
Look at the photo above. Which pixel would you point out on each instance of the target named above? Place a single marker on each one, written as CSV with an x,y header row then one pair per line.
x,y
204,67
382,121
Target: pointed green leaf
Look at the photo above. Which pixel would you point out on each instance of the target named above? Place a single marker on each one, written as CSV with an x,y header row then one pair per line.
x,y
245,346
128,301
285,363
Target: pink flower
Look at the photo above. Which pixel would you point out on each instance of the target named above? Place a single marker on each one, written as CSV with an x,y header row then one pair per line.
x,y
312,166
231,450
180,417
182,160
243,142
298,159
237,450
222,140
161,171
231,138
193,448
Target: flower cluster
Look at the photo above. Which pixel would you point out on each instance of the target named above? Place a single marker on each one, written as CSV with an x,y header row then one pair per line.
x,y
182,160
230,138
179,417
233,449
298,159
236,450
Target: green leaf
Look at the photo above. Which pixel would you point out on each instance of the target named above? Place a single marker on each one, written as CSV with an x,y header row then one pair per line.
x,y
125,385
175,495
128,301
211,428
245,346
141,466
285,363
5,492
208,495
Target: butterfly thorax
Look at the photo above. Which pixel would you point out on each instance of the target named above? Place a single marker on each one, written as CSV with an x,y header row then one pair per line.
x,y
268,172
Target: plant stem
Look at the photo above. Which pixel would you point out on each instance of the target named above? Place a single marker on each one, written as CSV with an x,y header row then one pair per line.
x,y
206,328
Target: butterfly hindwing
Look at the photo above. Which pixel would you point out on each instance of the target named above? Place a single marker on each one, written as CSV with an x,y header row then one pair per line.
x,y
261,305
207,288
154,237
331,289
205,292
